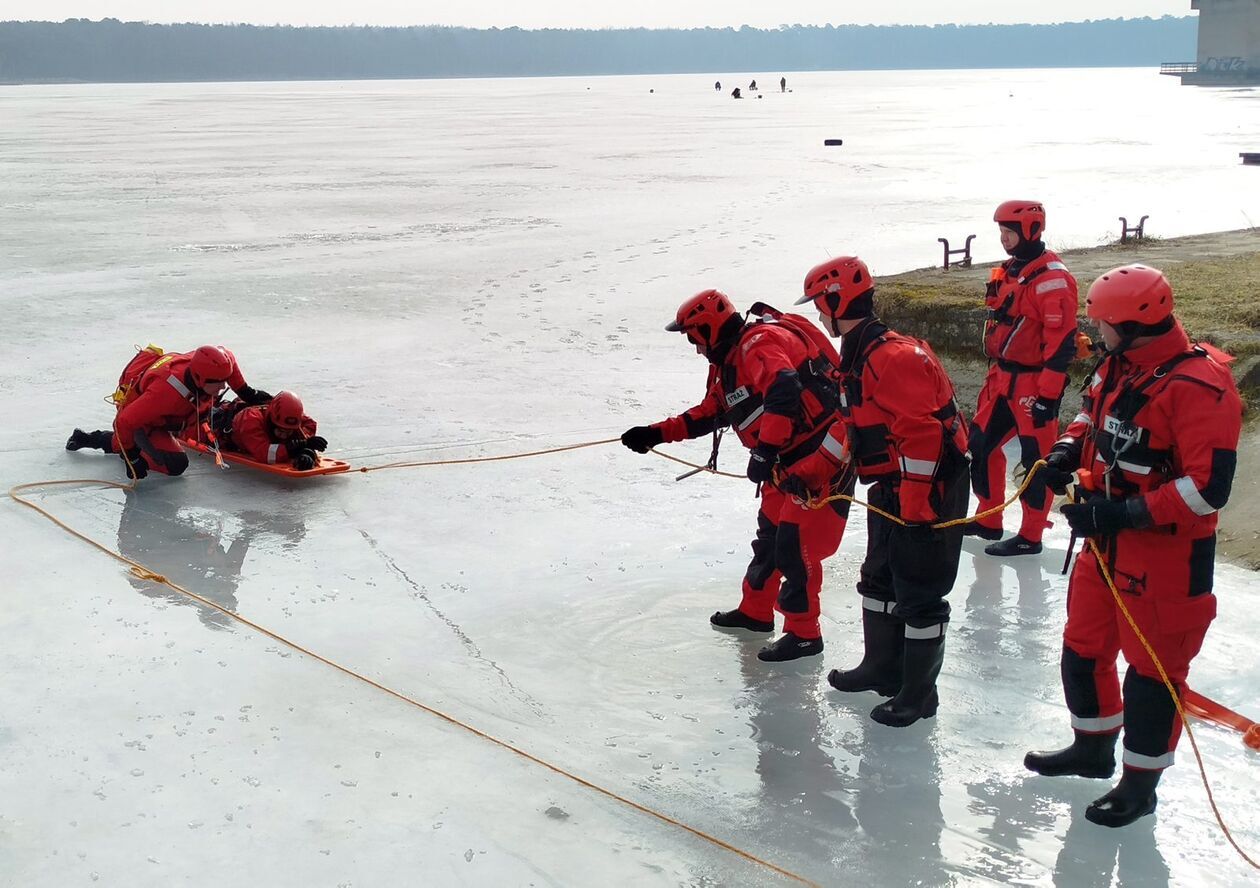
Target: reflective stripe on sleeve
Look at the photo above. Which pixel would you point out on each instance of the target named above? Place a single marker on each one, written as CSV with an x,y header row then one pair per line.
x,y
752,417
271,452
836,449
1191,496
1147,762
1051,286
178,385
1102,725
920,633
1056,266
924,467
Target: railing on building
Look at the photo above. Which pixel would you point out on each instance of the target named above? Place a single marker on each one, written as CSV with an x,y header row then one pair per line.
x,y
1178,68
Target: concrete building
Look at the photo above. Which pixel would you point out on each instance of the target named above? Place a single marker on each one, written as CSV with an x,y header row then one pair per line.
x,y
1229,45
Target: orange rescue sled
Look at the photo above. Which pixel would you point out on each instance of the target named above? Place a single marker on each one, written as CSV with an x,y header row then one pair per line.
x,y
325,466
1209,710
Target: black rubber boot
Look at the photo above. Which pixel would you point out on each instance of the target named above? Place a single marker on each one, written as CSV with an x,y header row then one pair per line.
x,y
1016,545
976,529
880,670
1133,797
790,647
95,440
737,619
1090,755
917,698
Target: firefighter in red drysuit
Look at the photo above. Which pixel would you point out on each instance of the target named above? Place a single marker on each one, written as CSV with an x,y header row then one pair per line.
x,y
1158,431
908,439
771,378
1029,339
278,431
161,396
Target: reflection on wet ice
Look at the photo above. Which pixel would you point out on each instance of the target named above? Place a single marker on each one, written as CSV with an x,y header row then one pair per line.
x,y
199,548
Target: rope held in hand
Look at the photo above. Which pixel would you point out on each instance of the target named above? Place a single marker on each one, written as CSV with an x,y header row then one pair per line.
x,y
1028,479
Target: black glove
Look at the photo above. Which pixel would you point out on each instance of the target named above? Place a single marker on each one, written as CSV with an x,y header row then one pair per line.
x,y
1044,411
305,460
794,485
1099,517
641,439
252,396
133,459
314,442
761,463
1056,474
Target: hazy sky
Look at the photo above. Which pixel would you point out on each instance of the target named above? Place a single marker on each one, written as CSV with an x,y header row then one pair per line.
x,y
588,14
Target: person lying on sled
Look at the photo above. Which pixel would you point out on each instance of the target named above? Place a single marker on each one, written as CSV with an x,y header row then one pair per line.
x,y
159,397
277,432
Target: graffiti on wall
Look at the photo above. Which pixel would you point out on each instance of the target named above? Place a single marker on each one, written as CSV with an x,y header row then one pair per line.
x,y
1225,63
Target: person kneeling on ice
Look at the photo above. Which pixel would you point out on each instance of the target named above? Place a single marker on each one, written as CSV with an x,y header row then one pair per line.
x,y
276,432
1156,440
771,377
910,442
159,396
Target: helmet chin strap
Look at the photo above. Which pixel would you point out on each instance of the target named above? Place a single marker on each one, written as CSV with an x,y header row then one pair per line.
x,y
1122,346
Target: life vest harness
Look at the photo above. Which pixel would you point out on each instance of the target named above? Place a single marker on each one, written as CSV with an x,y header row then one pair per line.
x,y
870,446
819,373
1120,444
1000,316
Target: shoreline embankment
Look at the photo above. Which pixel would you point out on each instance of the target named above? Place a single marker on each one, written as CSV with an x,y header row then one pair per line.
x,y
1216,287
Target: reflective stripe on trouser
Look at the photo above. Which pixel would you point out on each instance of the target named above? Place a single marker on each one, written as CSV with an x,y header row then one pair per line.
x,y
161,451
1096,632
999,418
912,568
785,573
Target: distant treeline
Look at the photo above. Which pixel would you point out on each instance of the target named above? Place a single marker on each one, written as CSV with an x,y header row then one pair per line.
x,y
110,50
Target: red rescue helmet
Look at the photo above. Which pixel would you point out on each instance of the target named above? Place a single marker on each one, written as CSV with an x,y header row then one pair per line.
x,y
210,364
1028,217
1135,293
703,317
285,410
834,285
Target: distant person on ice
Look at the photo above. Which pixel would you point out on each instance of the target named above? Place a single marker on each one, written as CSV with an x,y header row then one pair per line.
x,y
735,93
161,396
1158,431
908,440
717,85
752,87
771,378
1029,339
782,84
276,432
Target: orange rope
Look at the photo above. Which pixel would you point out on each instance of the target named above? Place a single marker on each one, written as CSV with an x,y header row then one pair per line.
x,y
1028,477
822,501
1111,584
139,570
696,465
482,459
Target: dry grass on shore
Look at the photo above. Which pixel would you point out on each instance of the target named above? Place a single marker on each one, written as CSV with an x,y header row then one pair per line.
x,y
1216,279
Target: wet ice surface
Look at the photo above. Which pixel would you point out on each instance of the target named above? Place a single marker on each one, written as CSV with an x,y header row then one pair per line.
x,y
445,270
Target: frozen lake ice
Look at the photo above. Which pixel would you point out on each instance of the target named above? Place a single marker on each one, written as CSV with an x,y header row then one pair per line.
x,y
446,269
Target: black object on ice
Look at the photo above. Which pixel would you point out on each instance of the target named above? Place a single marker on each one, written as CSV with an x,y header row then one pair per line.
x,y
790,647
833,141
737,619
